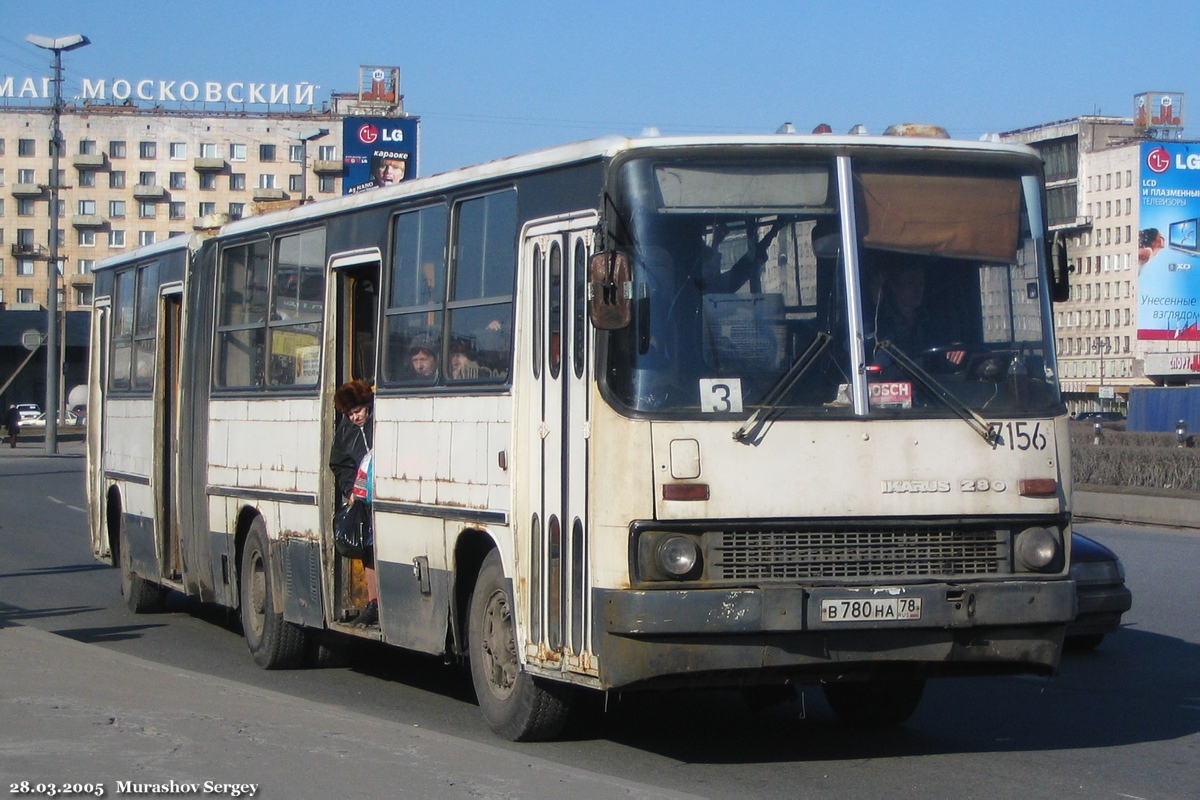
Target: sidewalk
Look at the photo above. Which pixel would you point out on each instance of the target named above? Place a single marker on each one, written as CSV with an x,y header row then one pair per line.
x,y
79,713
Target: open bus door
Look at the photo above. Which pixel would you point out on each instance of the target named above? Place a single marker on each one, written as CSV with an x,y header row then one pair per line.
x,y
166,408
555,416
355,289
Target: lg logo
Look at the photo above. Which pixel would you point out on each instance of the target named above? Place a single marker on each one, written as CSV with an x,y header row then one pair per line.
x,y
368,134
1158,160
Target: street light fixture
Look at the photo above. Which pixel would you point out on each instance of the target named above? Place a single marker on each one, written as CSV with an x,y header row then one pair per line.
x,y
53,347
304,138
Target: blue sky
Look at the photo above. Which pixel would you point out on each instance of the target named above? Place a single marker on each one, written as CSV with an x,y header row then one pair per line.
x,y
493,78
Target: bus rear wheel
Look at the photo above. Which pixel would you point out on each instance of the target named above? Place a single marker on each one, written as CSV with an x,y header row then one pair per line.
x,y
274,643
141,595
876,703
516,705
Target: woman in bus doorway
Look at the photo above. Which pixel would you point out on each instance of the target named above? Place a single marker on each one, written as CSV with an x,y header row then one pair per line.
x,y
352,441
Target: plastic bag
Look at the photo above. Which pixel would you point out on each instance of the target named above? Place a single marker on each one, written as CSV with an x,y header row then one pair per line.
x,y
364,481
352,535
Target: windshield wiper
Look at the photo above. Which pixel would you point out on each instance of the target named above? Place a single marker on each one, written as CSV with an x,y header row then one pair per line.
x,y
772,398
939,390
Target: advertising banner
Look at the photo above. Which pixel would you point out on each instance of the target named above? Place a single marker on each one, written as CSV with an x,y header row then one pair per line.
x,y
379,151
1168,249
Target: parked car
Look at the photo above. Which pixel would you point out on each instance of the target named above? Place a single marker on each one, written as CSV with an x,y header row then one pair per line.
x,y
28,411
1100,591
1100,416
68,418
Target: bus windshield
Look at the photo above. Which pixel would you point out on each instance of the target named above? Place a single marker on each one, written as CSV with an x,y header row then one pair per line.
x,y
742,298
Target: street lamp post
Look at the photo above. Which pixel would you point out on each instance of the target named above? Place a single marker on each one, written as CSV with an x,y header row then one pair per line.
x,y
305,137
53,363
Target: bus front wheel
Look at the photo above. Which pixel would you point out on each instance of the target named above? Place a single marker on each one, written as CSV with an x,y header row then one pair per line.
x,y
516,705
876,703
274,643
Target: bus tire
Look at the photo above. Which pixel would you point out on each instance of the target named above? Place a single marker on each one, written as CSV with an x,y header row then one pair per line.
x,y
516,705
875,703
273,642
142,596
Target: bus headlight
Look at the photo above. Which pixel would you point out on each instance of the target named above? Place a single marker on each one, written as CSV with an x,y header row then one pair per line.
x,y
677,556
1037,549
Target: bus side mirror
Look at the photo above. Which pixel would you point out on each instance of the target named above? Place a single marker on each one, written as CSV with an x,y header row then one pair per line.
x,y
610,290
1060,283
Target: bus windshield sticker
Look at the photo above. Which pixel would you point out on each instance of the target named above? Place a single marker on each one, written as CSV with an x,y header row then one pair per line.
x,y
721,395
890,394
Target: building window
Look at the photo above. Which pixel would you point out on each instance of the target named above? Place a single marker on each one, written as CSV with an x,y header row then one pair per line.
x,y
87,147
116,179
178,210
266,152
295,183
85,266
148,149
25,237
145,238
147,179
266,181
27,147
1,147
327,152
87,178
178,150
25,267
326,184
208,180
237,181
86,237
24,206
83,295
25,176
207,208
1,208
237,152
116,149
237,210
116,209
61,236
87,207
58,178
178,180
24,295
1,177
208,150
116,238
295,153
147,209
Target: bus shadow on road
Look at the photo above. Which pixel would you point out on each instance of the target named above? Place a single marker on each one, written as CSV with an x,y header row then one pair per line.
x,y
1138,687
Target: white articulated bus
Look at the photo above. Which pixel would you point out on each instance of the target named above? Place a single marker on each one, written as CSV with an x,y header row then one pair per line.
x,y
723,411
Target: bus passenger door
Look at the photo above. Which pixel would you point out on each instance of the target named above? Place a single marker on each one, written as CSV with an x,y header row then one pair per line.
x,y
167,447
355,290
97,385
559,367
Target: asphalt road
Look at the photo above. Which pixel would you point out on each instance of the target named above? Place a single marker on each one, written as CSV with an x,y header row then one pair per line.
x,y
1123,721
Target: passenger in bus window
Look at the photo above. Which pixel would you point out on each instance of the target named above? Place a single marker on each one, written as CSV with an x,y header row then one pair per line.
x,y
464,364
424,360
352,440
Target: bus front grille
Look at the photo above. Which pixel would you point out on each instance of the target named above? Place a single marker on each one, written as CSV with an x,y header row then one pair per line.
x,y
897,552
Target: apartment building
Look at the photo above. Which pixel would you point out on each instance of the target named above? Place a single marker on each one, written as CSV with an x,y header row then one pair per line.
x,y
1104,197
135,174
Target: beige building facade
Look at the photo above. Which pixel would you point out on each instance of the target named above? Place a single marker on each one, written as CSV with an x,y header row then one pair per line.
x,y
131,176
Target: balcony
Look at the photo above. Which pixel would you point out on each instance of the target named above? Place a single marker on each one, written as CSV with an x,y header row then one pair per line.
x,y
20,250
87,221
209,165
268,194
142,192
209,221
28,190
88,161
331,167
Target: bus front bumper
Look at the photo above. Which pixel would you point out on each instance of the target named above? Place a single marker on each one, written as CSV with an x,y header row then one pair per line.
x,y
764,634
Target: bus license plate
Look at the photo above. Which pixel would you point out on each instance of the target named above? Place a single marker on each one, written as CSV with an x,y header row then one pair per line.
x,y
871,609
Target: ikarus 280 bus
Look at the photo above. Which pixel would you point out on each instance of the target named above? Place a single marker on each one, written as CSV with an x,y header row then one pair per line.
x,y
744,411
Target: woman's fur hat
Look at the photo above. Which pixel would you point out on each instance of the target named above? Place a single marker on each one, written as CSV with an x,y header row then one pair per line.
x,y
352,395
